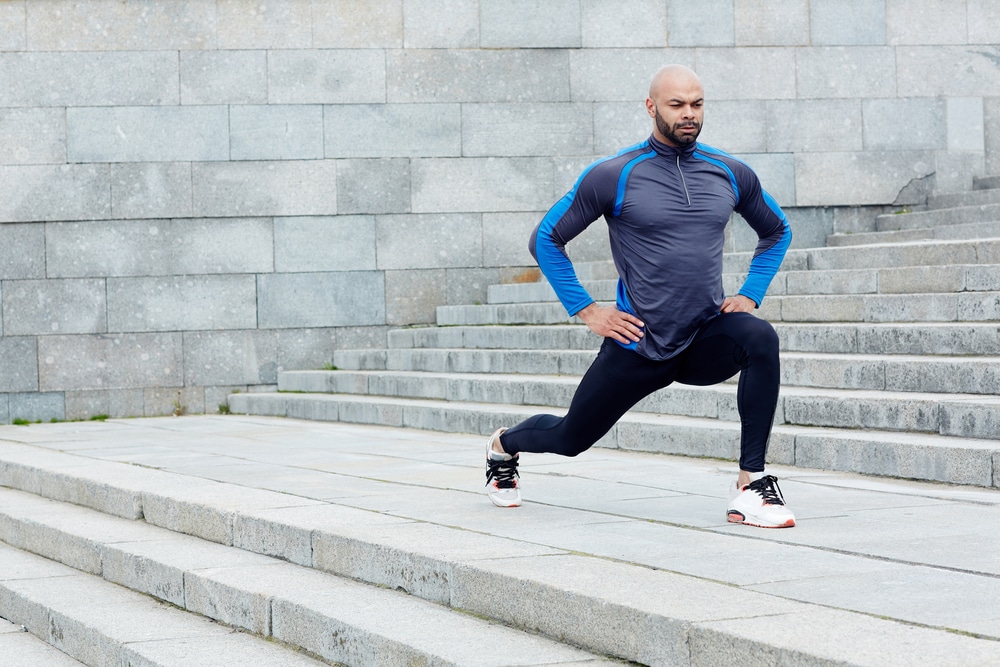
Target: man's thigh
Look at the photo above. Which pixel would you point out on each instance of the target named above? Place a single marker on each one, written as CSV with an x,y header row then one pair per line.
x,y
720,350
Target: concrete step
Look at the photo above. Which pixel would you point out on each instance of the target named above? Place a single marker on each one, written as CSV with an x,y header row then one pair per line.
x,y
968,230
906,455
914,338
337,619
971,198
22,649
901,373
966,416
985,182
979,306
621,550
957,215
100,623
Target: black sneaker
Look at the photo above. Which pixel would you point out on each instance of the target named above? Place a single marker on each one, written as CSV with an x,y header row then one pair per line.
x,y
501,476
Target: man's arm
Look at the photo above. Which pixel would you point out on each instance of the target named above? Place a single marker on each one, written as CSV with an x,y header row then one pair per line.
x,y
766,218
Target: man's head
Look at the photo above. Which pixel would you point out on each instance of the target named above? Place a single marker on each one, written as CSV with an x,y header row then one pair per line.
x,y
675,104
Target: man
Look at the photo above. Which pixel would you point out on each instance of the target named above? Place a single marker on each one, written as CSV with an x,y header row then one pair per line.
x,y
666,202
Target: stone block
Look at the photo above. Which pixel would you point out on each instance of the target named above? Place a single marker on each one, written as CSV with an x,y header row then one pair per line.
x,y
32,136
151,190
499,75
869,177
358,24
87,404
984,21
527,129
234,245
393,130
970,420
618,75
4,409
701,23
55,192
469,285
281,188
620,124
948,71
373,186
442,24
441,185
91,26
771,22
429,241
160,401
904,124
67,79
764,73
505,238
22,252
126,403
303,300
332,76
276,132
223,77
12,26
847,22
919,279
776,172
810,225
108,248
925,22
284,24
412,297
965,124
524,24
739,126
844,73
230,357
38,406
305,349
991,132
147,134
814,125
118,361
340,243
832,282
954,173
637,24
182,303
40,307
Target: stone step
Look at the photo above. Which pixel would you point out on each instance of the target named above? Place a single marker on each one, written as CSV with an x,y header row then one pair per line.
x,y
966,416
920,338
957,215
100,623
902,280
981,306
985,182
22,649
899,373
968,230
907,455
297,605
632,559
971,198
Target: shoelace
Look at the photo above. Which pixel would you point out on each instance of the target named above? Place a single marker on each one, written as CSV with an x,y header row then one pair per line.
x,y
767,487
503,471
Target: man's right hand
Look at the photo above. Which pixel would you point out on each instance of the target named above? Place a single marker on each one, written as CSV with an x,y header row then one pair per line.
x,y
609,322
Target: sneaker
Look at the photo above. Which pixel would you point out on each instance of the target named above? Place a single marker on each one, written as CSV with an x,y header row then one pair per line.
x,y
760,504
501,476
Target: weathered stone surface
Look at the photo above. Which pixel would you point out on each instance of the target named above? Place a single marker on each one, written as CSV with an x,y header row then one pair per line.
x,y
22,251
19,360
429,241
529,24
223,77
276,132
393,130
282,188
701,23
423,26
847,22
323,243
278,25
373,186
772,23
182,303
333,76
115,361
32,136
298,300
55,192
151,190
357,24
636,24
40,307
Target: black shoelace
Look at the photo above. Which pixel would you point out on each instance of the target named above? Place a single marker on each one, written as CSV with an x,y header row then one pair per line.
x,y
503,471
767,487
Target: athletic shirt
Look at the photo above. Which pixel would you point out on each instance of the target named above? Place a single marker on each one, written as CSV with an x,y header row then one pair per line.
x,y
666,209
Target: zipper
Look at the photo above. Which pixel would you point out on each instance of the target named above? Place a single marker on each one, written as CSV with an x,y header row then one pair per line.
x,y
683,181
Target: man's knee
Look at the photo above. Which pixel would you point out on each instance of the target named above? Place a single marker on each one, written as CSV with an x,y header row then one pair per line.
x,y
760,339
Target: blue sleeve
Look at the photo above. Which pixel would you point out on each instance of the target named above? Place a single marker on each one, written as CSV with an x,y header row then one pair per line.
x,y
572,214
764,215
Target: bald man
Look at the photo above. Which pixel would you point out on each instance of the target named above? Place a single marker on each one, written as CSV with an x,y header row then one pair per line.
x,y
666,202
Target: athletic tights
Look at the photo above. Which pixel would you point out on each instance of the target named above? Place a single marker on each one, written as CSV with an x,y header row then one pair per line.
x,y
619,378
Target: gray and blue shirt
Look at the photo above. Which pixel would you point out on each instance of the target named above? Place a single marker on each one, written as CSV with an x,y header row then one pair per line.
x,y
666,209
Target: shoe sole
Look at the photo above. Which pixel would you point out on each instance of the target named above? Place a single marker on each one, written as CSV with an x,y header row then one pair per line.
x,y
737,517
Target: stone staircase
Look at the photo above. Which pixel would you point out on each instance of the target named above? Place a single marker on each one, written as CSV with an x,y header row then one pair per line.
x,y
890,358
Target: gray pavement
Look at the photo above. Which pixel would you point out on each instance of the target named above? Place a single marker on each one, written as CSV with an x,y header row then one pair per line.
x,y
877,571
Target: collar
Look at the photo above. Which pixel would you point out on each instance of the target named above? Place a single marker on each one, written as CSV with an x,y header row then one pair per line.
x,y
671,152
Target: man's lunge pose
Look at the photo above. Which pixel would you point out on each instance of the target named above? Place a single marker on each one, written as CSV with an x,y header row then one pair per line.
x,y
666,202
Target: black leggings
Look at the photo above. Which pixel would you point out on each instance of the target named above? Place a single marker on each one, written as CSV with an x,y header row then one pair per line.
x,y
620,378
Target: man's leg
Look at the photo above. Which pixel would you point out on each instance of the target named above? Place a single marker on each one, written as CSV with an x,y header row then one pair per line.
x,y
741,343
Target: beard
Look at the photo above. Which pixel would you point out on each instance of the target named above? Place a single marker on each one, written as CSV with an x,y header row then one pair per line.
x,y
671,131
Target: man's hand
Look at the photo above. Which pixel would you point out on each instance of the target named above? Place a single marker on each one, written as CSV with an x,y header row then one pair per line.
x,y
738,304
609,322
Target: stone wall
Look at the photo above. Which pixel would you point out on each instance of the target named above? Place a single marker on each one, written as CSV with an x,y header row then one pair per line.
x,y
195,194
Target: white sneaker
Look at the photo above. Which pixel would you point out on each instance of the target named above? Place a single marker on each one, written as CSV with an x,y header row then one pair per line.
x,y
760,504
501,476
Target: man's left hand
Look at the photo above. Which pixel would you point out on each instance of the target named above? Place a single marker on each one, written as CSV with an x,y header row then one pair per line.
x,y
738,304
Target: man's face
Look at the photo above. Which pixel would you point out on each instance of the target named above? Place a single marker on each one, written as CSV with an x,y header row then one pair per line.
x,y
678,111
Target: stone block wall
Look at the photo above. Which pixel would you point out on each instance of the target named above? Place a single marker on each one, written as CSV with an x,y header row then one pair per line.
x,y
196,194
